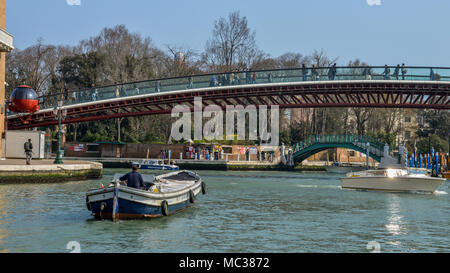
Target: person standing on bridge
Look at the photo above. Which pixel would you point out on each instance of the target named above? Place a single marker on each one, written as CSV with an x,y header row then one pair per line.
x,y
367,73
314,73
332,72
213,81
304,72
191,81
158,86
269,77
432,77
404,71
254,77
93,93
66,93
123,92
237,80
396,71
387,72
117,89
74,97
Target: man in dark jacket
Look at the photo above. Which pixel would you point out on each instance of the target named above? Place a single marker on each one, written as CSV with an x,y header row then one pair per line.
x,y
28,147
133,178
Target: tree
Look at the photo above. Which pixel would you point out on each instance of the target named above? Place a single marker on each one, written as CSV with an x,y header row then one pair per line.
x,y
129,56
82,70
361,117
435,142
232,45
34,66
435,122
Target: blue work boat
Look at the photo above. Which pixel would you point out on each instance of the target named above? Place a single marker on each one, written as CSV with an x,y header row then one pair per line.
x,y
162,195
153,164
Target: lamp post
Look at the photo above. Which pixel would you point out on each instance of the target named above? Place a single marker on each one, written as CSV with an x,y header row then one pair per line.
x,y
367,154
59,114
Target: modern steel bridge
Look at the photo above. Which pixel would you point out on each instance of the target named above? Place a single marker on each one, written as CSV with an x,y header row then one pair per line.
x,y
419,87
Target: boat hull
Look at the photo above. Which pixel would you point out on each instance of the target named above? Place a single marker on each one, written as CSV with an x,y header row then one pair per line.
x,y
132,210
396,184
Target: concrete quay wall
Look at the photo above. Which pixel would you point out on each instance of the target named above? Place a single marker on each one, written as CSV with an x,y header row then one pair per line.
x,y
43,171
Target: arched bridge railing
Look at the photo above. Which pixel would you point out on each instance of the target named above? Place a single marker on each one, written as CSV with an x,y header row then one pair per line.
x,y
316,143
304,74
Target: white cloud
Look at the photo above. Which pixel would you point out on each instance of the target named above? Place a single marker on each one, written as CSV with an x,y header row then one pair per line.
x,y
78,2
373,2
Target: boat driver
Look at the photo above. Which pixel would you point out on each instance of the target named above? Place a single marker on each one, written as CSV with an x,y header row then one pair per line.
x,y
133,179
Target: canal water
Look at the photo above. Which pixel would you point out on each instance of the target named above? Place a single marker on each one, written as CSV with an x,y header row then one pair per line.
x,y
243,211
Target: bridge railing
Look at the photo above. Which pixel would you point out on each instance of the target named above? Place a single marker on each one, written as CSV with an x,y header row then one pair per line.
x,y
376,147
305,74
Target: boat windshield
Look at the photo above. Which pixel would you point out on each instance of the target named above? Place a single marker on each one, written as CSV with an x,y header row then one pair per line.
x,y
414,171
149,162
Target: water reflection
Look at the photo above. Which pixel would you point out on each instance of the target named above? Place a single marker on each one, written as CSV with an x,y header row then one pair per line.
x,y
242,212
3,230
395,219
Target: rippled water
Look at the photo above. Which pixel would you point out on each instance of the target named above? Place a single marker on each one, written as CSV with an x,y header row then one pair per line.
x,y
243,211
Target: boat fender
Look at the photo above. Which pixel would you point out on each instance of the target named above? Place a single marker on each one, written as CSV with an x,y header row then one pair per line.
x,y
203,188
164,208
88,204
191,196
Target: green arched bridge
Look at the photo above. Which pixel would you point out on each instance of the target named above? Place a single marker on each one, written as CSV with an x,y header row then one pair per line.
x,y
318,143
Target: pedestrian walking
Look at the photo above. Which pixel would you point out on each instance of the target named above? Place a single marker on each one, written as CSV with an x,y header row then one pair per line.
x,y
254,78
269,77
28,147
396,71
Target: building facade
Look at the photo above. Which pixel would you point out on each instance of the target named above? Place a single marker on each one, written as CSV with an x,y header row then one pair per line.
x,y
6,45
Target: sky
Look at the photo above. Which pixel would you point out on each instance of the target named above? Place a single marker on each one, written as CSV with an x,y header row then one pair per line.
x,y
414,32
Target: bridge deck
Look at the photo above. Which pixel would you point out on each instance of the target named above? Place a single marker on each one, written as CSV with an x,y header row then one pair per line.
x,y
419,87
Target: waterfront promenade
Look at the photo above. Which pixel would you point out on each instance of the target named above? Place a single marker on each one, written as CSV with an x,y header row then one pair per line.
x,y
43,170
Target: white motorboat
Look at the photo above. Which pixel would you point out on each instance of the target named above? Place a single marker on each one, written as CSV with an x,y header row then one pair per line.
x,y
393,180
